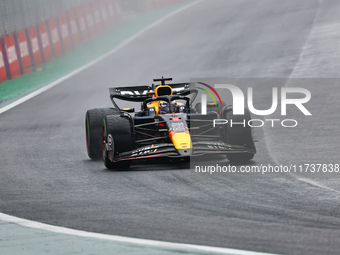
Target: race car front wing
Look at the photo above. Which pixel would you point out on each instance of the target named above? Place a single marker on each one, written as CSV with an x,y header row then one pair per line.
x,y
169,150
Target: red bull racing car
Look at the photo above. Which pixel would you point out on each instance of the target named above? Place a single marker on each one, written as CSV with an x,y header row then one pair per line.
x,y
167,125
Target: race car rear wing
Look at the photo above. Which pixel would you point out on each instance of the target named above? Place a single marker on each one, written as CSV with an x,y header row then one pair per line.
x,y
133,94
142,93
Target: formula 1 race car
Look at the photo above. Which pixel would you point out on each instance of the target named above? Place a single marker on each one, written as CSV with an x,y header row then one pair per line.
x,y
167,125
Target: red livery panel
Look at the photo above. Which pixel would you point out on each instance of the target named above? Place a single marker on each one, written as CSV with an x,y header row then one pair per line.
x,y
23,49
73,27
3,74
82,24
56,43
33,37
89,19
45,44
12,57
65,32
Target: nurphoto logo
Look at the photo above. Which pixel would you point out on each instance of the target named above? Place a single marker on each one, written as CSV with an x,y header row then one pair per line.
x,y
239,100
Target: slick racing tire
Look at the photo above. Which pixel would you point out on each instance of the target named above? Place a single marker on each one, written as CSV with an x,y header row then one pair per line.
x,y
116,138
238,134
93,126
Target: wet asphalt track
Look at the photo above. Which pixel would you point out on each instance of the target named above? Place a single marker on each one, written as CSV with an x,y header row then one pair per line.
x,y
46,175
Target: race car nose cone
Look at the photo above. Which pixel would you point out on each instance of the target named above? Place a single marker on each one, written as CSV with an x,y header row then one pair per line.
x,y
185,152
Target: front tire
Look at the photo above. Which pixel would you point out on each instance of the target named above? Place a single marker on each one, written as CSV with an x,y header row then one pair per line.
x,y
116,138
93,126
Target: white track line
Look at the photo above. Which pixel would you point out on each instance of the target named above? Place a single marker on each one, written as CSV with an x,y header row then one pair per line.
x,y
297,177
73,73
67,231
135,241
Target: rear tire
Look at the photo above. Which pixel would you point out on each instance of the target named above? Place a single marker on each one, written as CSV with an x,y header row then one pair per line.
x,y
238,134
117,132
93,126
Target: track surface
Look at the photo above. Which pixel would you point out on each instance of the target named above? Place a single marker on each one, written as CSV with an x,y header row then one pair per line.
x,y
46,176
